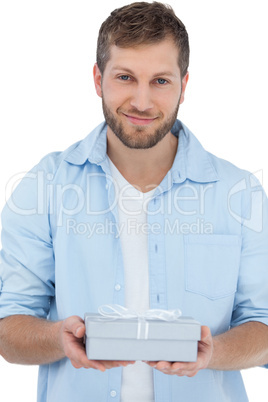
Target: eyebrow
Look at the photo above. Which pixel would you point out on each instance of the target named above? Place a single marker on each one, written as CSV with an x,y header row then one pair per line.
x,y
128,70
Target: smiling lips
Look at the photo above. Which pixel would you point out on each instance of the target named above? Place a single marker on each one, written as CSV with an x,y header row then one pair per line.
x,y
139,121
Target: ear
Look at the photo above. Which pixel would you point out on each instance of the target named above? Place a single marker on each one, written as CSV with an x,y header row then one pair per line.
x,y
183,86
97,79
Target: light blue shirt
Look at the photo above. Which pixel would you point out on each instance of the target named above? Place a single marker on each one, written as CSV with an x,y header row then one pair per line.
x,y
208,256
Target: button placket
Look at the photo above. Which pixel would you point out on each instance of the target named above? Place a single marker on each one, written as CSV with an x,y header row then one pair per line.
x,y
157,271
117,287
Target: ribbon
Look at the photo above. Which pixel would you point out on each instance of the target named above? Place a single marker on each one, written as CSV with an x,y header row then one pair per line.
x,y
115,311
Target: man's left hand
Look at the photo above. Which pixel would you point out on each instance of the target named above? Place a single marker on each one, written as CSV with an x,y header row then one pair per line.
x,y
189,369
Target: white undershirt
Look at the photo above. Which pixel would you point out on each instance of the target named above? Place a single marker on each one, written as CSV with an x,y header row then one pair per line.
x,y
137,379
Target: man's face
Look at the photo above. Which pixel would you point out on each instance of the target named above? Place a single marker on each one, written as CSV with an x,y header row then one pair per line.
x,y
141,90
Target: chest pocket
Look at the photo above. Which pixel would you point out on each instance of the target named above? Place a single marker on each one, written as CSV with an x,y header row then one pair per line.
x,y
212,264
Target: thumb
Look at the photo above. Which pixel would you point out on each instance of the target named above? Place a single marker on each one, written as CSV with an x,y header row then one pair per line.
x,y
205,334
80,331
76,326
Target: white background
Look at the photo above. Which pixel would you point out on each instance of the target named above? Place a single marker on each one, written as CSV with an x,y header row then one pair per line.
x,y
47,98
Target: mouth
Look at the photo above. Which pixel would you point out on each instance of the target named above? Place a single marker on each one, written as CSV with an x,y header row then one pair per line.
x,y
140,121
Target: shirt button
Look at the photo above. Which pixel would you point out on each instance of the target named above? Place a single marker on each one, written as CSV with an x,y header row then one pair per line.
x,y
113,393
117,287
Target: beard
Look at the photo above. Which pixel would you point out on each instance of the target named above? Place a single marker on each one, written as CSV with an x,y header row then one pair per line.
x,y
139,137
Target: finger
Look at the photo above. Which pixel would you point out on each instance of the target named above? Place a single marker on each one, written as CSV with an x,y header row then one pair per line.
x,y
151,363
184,366
205,333
75,351
80,331
79,359
184,369
126,362
162,365
205,347
75,325
111,364
180,372
192,374
116,363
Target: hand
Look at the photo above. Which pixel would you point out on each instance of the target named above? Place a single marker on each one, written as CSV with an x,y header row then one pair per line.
x,y
189,369
72,341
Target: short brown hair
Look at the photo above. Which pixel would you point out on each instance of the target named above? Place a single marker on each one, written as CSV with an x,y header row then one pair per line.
x,y
142,23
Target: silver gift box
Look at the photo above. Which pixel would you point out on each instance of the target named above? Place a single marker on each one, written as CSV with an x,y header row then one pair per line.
x,y
141,339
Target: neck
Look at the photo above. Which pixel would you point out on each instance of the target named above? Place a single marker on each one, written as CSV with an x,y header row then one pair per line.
x,y
142,168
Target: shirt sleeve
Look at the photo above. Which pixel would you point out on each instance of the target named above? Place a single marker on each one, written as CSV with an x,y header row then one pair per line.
x,y
27,259
251,301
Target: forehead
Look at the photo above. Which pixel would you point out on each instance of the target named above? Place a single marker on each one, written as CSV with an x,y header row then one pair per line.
x,y
149,58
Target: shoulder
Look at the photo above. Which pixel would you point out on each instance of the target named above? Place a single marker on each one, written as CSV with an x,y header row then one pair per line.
x,y
53,161
231,175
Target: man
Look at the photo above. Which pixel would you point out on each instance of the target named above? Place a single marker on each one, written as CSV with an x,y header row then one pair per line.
x,y
137,214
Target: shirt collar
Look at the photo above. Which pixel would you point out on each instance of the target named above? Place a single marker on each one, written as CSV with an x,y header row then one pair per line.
x,y
191,161
92,148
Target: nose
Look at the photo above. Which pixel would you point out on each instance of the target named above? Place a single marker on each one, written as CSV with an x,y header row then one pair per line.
x,y
141,98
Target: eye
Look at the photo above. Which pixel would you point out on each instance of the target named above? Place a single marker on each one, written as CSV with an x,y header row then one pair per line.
x,y
124,77
161,81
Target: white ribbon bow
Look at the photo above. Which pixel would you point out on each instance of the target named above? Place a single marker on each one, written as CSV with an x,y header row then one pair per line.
x,y
115,311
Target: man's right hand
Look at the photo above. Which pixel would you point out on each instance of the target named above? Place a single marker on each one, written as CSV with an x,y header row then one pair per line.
x,y
72,340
